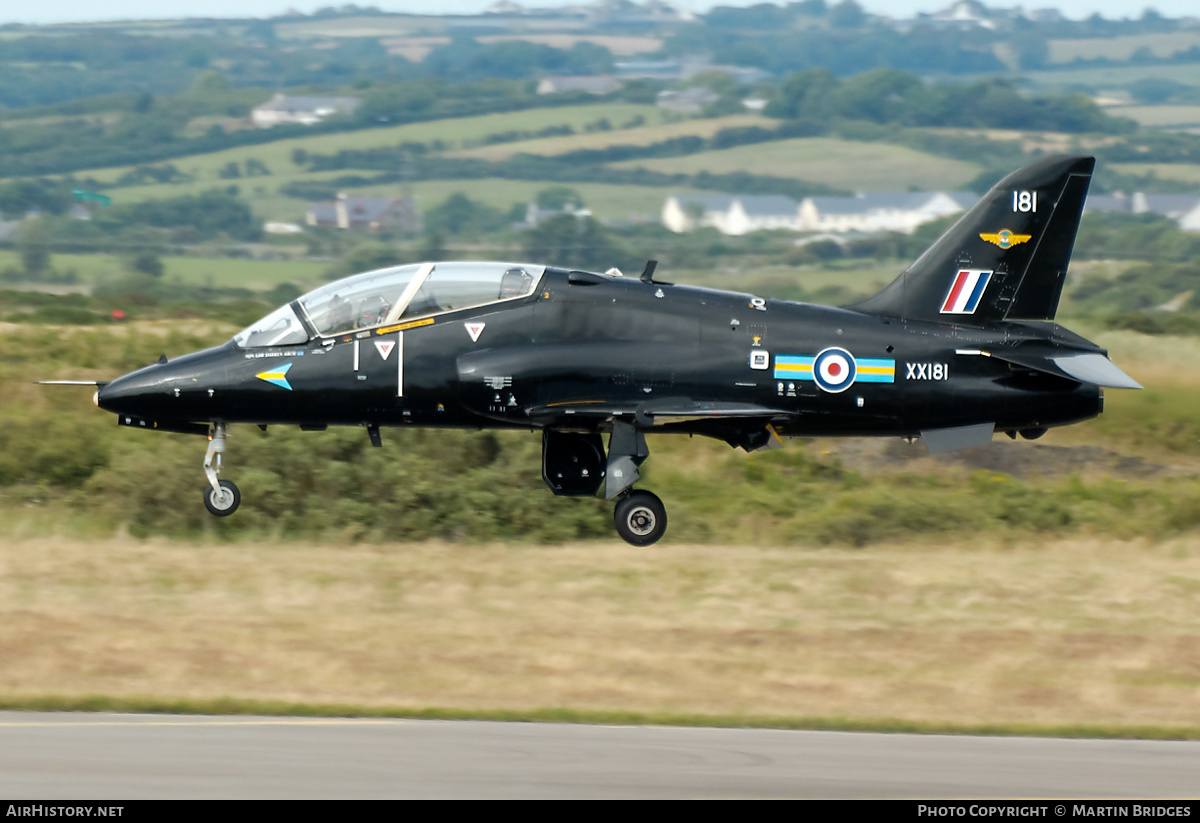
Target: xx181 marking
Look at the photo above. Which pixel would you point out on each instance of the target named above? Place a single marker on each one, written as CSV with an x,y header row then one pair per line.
x,y
927,371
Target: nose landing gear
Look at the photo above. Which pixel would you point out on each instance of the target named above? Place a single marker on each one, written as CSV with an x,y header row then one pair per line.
x,y
221,497
223,500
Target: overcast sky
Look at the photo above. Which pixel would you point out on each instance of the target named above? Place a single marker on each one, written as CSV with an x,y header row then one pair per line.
x,y
61,11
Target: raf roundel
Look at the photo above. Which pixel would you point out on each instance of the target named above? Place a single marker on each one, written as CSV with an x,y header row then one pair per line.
x,y
834,369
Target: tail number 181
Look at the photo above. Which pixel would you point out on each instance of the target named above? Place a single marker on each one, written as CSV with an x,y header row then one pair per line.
x,y
1024,201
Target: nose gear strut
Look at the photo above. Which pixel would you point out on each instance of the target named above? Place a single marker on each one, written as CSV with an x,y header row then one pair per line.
x,y
221,497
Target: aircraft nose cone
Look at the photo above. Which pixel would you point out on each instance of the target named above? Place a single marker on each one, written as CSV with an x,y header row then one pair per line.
x,y
135,393
179,389
109,397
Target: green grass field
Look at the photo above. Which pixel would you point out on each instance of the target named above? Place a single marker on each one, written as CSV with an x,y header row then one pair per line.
x,y
783,281
1067,80
1161,44
1159,116
842,164
262,192
606,201
1184,172
642,136
278,155
221,272
837,163
373,26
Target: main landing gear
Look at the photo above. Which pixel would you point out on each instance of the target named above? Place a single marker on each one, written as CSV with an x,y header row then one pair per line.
x,y
221,497
574,464
640,518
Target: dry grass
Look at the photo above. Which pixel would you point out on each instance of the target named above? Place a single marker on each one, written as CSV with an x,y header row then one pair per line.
x,y
1076,632
1156,361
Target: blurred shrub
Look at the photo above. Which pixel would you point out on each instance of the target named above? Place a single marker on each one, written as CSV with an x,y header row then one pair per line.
x,y
57,449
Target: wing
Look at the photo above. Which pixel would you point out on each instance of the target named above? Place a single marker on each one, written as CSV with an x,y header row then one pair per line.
x,y
588,387
653,413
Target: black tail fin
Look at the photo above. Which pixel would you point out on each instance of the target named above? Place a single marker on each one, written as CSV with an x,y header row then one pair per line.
x,y
1005,259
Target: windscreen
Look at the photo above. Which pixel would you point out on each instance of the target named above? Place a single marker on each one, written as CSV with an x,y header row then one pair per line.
x,y
279,328
356,302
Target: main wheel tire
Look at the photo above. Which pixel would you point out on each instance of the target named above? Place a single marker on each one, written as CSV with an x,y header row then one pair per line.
x,y
640,518
224,501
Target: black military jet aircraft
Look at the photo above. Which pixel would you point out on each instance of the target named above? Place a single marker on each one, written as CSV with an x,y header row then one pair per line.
x,y
957,348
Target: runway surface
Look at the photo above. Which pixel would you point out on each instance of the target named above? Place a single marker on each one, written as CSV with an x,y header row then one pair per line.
x,y
129,757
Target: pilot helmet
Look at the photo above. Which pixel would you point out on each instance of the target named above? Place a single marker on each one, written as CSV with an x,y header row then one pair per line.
x,y
372,311
515,282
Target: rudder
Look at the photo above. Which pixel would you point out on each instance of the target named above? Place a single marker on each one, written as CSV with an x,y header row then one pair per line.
x,y
1005,259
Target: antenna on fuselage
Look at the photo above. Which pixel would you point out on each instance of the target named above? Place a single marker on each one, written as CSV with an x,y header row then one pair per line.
x,y
648,272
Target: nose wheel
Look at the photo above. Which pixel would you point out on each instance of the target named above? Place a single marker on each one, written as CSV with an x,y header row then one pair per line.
x,y
221,497
640,518
223,500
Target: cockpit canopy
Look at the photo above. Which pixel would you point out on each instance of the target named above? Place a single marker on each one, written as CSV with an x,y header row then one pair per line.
x,y
386,296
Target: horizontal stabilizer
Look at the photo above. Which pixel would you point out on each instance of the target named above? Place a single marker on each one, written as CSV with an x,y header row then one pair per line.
x,y
1096,369
1085,367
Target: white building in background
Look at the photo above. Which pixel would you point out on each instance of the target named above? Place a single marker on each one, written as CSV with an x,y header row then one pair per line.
x,y
731,214
1190,220
689,101
867,213
1184,209
534,215
880,211
304,110
280,227
599,84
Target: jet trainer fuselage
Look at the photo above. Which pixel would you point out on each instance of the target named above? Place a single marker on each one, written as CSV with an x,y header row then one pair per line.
x,y
588,346
959,346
